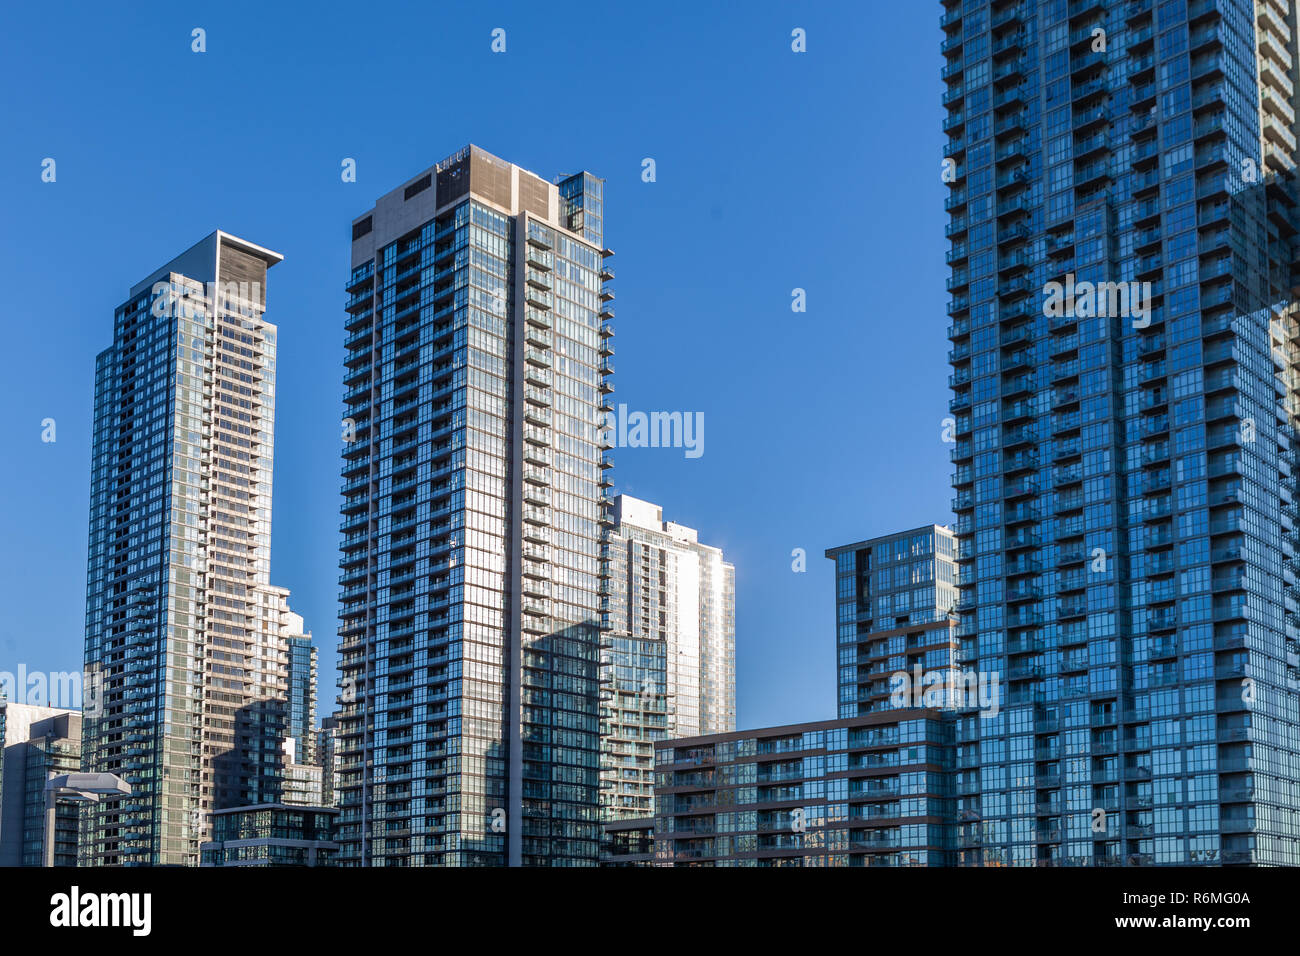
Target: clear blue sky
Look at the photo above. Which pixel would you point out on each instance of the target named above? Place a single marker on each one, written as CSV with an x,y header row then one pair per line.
x,y
775,170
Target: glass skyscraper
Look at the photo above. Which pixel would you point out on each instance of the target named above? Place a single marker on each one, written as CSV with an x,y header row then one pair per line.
x,y
300,673
1124,454
183,633
474,486
669,663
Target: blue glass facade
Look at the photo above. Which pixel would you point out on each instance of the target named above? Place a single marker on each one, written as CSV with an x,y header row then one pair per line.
x,y
1124,478
894,596
862,791
302,697
634,714
473,509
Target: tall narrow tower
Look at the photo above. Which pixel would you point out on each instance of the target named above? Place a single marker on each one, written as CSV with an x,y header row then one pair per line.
x,y
669,659
192,698
474,502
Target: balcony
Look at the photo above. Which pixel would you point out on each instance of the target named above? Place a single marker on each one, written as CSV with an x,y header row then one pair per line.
x,y
1015,542
1021,514
1017,361
1016,233
1017,436
1064,370
1021,594
1017,205
1016,411
1016,40
1021,461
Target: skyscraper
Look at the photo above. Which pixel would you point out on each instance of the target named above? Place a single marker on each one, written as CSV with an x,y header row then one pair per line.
x,y
894,596
300,777
300,673
182,628
669,663
474,501
1124,399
